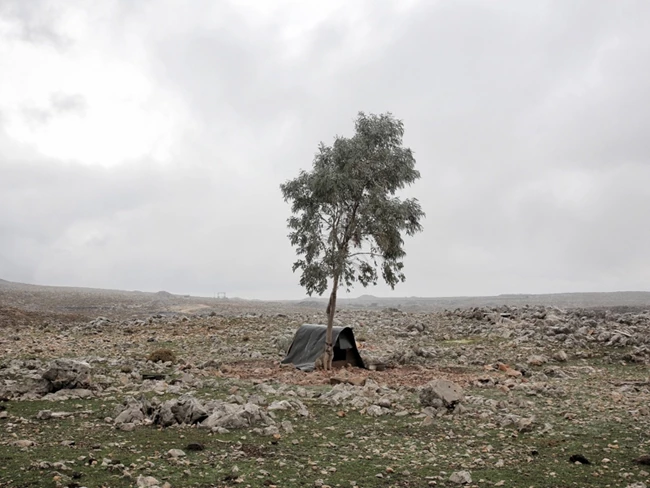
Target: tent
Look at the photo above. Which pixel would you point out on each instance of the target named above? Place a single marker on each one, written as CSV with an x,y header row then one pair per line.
x,y
309,343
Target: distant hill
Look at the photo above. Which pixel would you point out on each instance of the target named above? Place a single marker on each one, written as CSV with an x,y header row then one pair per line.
x,y
63,295
636,299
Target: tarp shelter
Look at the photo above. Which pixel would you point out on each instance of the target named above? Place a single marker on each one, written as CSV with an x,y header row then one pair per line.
x,y
309,343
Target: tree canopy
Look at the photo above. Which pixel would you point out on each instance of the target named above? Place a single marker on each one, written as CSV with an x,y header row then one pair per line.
x,y
347,223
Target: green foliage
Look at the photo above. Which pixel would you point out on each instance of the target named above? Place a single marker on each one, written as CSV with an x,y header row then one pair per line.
x,y
347,222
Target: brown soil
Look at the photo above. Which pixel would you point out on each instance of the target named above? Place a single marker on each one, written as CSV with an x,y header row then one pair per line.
x,y
266,370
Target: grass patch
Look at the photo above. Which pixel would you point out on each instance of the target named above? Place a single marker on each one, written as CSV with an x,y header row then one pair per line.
x,y
371,452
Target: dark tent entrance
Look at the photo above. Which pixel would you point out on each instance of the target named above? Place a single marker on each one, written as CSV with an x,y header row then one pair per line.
x,y
309,343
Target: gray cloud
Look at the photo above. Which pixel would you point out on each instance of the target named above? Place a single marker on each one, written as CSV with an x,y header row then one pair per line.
x,y
59,104
527,121
63,103
35,21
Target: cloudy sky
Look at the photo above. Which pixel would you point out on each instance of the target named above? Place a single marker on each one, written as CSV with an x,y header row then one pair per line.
x,y
142,143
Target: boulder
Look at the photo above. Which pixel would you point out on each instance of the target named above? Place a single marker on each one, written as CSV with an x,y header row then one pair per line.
x,y
233,416
132,411
132,415
164,415
449,392
67,373
188,410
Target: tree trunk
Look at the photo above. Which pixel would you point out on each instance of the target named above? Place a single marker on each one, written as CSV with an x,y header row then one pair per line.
x,y
331,310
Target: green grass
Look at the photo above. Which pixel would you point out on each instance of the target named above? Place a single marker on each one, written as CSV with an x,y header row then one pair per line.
x,y
373,452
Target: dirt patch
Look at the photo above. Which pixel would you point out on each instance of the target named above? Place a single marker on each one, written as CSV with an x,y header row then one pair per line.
x,y
15,317
266,370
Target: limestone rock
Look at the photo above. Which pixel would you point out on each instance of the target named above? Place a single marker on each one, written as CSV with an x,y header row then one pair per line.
x,y
24,443
537,360
130,416
233,416
461,477
67,373
449,392
561,356
188,410
176,453
147,482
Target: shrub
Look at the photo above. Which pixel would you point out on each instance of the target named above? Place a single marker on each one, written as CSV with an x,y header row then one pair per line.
x,y
162,356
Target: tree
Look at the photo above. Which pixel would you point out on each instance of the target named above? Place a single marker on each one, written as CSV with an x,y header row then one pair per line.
x,y
346,222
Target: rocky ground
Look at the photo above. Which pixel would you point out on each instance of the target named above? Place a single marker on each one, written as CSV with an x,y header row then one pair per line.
x,y
156,390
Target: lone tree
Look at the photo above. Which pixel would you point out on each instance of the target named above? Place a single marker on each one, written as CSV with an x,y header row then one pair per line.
x,y
346,221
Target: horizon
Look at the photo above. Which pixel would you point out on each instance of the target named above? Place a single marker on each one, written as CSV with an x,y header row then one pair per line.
x,y
325,298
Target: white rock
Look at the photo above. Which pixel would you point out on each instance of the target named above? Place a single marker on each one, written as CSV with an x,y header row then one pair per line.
x,y
461,477
450,393
176,453
146,482
24,443
560,356
375,411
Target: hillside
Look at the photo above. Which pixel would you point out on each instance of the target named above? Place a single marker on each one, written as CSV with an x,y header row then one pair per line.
x,y
92,300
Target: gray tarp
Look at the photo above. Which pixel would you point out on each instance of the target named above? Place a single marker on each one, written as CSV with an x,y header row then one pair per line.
x,y
309,343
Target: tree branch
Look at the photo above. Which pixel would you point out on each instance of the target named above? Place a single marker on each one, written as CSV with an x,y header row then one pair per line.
x,y
373,254
325,221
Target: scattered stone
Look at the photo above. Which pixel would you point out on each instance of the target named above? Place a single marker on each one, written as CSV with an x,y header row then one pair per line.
x,y
525,424
147,482
375,411
24,443
385,402
537,360
287,427
461,477
428,420
271,430
561,356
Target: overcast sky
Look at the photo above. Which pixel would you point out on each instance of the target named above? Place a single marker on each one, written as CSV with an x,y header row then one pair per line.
x,y
142,143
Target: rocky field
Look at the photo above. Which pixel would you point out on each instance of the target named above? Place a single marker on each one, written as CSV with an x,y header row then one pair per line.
x,y
112,389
